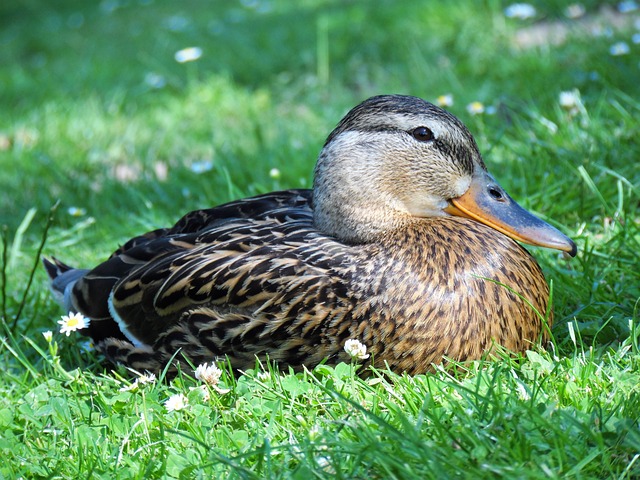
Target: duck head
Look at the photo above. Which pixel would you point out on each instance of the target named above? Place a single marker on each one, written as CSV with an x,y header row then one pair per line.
x,y
395,158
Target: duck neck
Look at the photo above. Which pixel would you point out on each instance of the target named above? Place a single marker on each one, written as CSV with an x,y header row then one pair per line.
x,y
342,208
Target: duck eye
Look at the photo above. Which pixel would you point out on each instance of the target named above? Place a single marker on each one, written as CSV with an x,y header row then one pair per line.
x,y
423,134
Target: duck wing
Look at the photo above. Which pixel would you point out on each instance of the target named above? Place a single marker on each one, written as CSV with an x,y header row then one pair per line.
x,y
258,262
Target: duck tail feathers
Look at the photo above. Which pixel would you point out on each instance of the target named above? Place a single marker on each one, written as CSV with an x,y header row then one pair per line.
x,y
63,278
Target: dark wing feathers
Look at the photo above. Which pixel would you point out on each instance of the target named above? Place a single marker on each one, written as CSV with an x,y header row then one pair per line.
x,y
270,205
226,276
242,266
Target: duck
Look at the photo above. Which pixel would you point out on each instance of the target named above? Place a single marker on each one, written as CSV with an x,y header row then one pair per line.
x,y
406,243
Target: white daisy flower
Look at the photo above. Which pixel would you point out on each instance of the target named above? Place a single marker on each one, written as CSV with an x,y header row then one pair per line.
x,y
274,173
355,349
475,108
571,102
569,99
76,211
445,100
188,54
176,402
147,378
73,322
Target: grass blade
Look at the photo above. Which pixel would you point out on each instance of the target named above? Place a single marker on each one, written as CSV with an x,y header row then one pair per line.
x,y
36,263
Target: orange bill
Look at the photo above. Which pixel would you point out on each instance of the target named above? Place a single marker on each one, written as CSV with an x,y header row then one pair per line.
x,y
486,202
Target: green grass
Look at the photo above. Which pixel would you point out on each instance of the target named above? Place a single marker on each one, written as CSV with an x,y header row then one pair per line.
x,y
81,125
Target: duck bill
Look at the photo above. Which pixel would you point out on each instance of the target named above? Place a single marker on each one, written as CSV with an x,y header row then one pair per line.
x,y
486,202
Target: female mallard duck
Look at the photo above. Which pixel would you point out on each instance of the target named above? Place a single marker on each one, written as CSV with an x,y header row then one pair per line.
x,y
405,243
